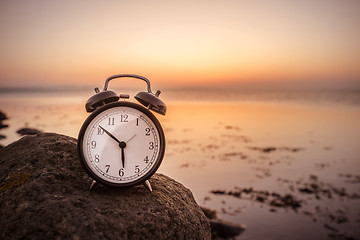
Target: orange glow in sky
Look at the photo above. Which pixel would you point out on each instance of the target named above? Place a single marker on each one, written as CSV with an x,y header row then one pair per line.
x,y
179,43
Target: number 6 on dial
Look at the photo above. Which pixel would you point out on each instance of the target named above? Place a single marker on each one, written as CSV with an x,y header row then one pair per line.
x,y
122,144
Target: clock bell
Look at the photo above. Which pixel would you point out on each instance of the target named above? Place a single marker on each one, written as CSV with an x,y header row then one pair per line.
x,y
148,99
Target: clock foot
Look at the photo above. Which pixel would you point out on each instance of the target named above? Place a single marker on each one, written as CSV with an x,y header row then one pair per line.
x,y
148,185
93,184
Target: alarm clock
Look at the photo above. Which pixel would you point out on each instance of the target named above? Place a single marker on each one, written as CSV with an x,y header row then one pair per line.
x,y
121,143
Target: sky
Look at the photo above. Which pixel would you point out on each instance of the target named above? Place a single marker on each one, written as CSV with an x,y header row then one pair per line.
x,y
180,43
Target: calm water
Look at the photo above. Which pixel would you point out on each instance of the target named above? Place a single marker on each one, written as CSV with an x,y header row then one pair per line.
x,y
302,143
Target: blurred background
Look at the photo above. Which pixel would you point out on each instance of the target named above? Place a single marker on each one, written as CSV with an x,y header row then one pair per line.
x,y
263,97
187,43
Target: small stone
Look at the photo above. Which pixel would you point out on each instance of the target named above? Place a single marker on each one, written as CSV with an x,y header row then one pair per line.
x,y
224,229
210,214
2,116
28,131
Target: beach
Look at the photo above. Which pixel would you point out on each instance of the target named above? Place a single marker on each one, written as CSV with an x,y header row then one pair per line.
x,y
286,165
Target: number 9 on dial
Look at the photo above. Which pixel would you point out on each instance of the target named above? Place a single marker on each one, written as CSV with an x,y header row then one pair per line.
x,y
121,144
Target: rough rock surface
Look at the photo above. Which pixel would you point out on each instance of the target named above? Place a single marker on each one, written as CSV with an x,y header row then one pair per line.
x,y
44,195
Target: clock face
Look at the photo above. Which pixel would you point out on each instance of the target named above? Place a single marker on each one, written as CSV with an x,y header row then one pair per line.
x,y
121,144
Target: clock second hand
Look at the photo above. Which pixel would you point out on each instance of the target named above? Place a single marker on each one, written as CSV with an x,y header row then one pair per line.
x,y
122,144
130,138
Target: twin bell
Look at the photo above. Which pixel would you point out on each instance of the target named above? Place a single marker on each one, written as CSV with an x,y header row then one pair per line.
x,y
148,99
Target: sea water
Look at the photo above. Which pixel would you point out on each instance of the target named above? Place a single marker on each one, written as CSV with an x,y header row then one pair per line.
x,y
224,141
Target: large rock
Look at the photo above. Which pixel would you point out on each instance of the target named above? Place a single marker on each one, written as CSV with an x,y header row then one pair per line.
x,y
44,194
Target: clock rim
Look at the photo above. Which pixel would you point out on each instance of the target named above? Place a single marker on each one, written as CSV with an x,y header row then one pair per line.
x,y
157,162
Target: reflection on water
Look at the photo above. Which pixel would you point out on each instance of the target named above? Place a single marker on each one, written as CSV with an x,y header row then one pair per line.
x,y
322,97
248,160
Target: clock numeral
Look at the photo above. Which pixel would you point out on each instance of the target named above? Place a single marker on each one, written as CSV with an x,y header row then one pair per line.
x,y
97,158
137,122
111,121
93,144
124,118
146,160
121,172
100,131
107,168
151,145
147,130
137,169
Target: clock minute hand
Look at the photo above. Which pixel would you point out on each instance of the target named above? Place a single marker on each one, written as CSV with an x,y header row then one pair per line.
x,y
108,133
122,145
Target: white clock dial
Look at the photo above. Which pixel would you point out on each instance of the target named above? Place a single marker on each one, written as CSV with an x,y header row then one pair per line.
x,y
122,145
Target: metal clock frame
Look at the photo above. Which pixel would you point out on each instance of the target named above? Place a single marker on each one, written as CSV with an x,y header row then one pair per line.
x,y
157,163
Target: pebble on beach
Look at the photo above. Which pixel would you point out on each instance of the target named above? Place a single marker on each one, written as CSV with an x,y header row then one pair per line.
x,y
28,131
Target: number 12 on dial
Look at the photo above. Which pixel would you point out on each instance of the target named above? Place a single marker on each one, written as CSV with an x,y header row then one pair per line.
x,y
121,144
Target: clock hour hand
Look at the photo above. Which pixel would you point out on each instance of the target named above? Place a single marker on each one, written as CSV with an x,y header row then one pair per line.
x,y
122,145
108,133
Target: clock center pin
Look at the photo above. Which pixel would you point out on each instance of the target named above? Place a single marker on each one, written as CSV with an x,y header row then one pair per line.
x,y
99,155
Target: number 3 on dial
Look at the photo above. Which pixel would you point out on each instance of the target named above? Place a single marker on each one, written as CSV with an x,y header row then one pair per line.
x,y
121,144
